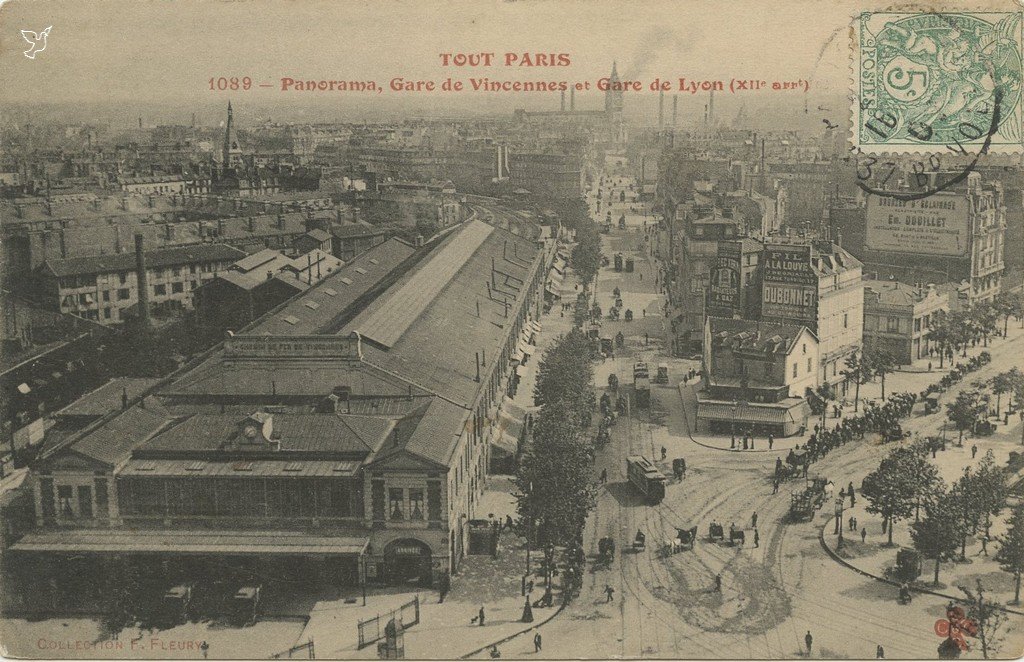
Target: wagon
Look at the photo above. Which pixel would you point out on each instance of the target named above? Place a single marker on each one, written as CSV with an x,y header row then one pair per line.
x,y
715,532
737,536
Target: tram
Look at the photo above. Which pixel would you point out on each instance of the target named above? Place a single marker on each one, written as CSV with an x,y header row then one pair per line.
x,y
646,477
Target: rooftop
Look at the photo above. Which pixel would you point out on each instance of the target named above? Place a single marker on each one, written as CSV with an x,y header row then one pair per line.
x,y
163,257
754,336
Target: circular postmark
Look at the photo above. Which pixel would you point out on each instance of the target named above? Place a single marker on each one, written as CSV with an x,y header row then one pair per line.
x,y
934,93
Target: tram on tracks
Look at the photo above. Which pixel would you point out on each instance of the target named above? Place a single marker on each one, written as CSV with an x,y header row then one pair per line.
x,y
646,477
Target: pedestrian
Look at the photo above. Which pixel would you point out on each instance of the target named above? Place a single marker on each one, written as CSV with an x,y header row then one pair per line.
x,y
863,533
718,583
753,520
757,538
775,486
851,524
751,442
808,639
604,476
205,648
480,616
771,441
495,653
536,643
664,453
609,593
974,451
879,651
929,370
984,544
445,586
508,522
853,498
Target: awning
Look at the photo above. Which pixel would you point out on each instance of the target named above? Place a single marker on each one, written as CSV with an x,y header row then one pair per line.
x,y
534,325
508,430
521,370
778,414
250,543
549,289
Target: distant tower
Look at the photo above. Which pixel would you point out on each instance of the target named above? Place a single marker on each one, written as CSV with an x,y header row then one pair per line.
x,y
613,98
232,155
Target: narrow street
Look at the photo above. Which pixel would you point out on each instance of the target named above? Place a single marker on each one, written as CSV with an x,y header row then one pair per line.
x,y
772,594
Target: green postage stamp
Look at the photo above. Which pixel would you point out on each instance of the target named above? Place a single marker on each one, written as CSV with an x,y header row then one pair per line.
x,y
928,81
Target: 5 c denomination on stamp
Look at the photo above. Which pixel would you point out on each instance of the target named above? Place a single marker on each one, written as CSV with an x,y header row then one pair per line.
x,y
928,81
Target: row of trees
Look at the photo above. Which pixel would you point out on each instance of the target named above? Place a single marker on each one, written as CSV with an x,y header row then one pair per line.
x,y
956,330
973,405
554,481
864,367
907,484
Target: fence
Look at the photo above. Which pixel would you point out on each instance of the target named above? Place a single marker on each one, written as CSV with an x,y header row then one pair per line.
x,y
297,651
372,629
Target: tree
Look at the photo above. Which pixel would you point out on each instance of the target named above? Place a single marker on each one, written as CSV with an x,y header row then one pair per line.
x,y
1008,305
555,487
858,369
967,507
965,411
826,393
941,334
923,476
882,363
888,491
988,618
936,535
991,490
1005,382
1011,550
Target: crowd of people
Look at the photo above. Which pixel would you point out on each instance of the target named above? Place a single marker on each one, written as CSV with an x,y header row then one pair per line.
x,y
883,418
958,372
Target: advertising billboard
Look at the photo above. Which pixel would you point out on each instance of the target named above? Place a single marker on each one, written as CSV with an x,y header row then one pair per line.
x,y
790,286
724,290
935,225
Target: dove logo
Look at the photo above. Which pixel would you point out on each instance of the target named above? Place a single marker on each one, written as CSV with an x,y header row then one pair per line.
x,y
37,40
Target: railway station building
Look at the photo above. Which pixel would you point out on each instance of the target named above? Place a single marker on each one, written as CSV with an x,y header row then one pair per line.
x,y
343,437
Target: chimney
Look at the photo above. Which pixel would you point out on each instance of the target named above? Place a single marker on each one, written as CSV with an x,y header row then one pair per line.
x,y
124,203
142,279
124,398
149,200
220,227
169,231
250,223
270,274
419,241
661,110
280,222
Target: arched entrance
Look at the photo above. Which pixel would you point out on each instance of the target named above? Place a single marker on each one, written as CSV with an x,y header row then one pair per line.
x,y
407,561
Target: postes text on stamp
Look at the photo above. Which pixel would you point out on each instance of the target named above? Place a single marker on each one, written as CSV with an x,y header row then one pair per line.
x,y
928,81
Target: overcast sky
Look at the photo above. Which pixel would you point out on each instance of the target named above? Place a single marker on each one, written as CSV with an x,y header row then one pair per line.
x,y
134,51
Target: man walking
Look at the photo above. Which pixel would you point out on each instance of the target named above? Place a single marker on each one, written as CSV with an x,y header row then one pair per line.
x,y
853,497
536,643
757,539
974,450
775,486
718,583
863,533
753,520
480,616
808,639
609,593
771,441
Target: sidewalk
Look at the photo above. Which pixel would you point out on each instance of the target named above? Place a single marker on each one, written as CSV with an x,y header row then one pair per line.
x,y
874,557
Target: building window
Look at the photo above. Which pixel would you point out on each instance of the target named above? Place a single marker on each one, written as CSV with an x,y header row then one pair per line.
x,y
795,368
416,504
804,348
123,277
177,271
177,288
106,313
85,501
434,500
160,290
810,366
106,295
64,496
892,325
396,497
917,324
124,294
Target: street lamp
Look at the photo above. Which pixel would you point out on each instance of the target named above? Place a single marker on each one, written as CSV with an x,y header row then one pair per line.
x,y
839,521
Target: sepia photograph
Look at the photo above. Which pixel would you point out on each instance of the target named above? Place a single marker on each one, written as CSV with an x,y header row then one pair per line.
x,y
524,329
